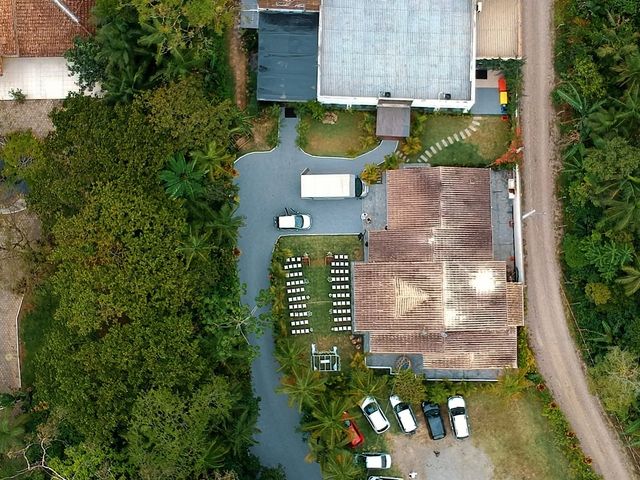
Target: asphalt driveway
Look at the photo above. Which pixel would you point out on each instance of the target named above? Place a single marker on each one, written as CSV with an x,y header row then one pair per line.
x,y
269,182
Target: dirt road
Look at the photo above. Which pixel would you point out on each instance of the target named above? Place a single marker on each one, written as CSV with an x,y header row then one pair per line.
x,y
557,357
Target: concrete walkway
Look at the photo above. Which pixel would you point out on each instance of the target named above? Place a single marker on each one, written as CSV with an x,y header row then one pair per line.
x,y
268,182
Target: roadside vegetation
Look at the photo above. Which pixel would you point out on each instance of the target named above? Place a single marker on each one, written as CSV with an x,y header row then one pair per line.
x,y
518,408
135,358
598,98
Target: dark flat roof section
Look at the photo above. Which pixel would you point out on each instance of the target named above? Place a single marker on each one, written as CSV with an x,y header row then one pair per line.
x,y
393,119
287,56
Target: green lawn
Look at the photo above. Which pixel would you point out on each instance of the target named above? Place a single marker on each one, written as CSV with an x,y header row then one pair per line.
x,y
516,436
343,139
319,288
478,150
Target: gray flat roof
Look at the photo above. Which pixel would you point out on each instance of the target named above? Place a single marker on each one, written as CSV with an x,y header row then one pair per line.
x,y
410,48
287,56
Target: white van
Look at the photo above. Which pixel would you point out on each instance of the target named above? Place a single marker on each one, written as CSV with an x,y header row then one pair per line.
x,y
331,186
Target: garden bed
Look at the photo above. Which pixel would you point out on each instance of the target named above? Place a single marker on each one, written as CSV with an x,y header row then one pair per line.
x,y
349,136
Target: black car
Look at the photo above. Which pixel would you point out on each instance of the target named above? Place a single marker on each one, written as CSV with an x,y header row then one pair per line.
x,y
434,420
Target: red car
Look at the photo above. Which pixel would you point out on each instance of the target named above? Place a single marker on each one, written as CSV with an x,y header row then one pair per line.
x,y
355,437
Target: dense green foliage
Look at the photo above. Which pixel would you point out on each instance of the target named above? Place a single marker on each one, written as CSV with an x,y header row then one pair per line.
x,y
598,60
140,45
143,369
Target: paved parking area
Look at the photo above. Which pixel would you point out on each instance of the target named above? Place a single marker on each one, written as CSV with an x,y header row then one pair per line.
x,y
269,182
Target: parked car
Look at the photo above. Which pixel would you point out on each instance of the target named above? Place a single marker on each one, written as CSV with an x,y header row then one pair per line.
x,y
376,477
404,414
293,220
433,417
374,414
458,416
355,436
378,461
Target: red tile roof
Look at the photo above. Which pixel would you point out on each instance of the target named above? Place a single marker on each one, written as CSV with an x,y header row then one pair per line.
x,y
430,285
39,28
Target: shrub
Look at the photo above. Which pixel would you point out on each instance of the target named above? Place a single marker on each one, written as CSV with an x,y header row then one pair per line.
x,y
409,387
303,133
18,95
411,146
371,174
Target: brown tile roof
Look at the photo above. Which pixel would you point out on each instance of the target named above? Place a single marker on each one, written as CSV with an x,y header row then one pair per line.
x,y
430,285
515,304
302,5
418,197
39,28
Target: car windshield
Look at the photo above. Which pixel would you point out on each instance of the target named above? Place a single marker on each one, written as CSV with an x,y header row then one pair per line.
x,y
457,411
433,413
371,409
298,221
400,407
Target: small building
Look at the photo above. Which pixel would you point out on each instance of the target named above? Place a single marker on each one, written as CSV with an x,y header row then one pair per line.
x,y
430,288
34,34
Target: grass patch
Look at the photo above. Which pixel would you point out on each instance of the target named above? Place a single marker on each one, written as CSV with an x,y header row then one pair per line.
x,y
319,288
478,150
516,436
342,139
33,329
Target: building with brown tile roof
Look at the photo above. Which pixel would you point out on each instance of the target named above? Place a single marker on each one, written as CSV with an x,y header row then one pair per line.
x,y
42,28
430,287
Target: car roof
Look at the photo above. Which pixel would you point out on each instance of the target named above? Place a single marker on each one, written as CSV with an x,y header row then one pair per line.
x,y
378,420
407,420
287,221
455,402
461,425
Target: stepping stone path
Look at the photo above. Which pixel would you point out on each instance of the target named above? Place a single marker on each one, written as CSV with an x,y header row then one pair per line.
x,y
431,150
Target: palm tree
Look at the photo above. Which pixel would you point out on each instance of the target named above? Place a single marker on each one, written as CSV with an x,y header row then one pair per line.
x,y
291,355
512,383
631,281
216,159
196,246
629,70
241,431
583,109
215,454
225,225
623,213
628,119
327,423
600,124
182,179
303,387
365,383
340,466
11,430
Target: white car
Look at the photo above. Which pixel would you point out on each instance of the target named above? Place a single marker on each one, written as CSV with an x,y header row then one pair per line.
x,y
458,416
297,221
374,414
375,461
404,414
376,477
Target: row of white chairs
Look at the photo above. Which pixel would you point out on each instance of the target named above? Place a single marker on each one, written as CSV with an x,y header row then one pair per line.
x,y
293,283
299,298
299,323
338,279
342,286
339,271
341,319
295,290
300,306
341,328
299,314
340,256
340,294
340,311
293,259
301,331
293,266
339,264
293,274
342,303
